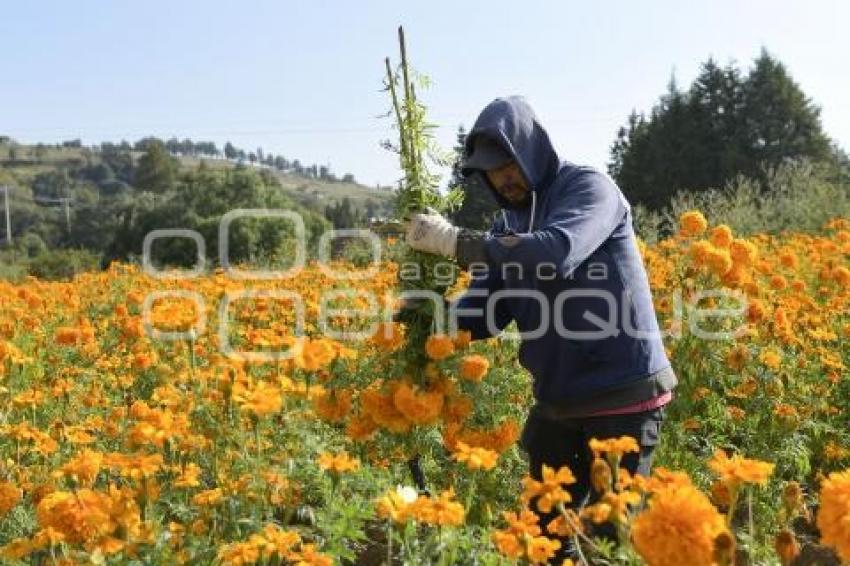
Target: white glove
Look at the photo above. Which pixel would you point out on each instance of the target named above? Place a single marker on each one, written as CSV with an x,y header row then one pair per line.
x,y
433,234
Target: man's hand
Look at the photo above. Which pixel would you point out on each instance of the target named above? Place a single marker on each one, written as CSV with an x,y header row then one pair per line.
x,y
433,234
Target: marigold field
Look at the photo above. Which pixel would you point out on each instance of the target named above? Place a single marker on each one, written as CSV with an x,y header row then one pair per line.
x,y
123,445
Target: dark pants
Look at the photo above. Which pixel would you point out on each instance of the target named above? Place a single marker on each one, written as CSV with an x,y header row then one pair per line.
x,y
565,443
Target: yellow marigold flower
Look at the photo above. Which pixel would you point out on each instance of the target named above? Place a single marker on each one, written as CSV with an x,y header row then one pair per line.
x,y
396,504
833,517
475,458
679,527
771,358
474,367
692,223
439,346
721,236
549,492
738,470
615,447
10,495
338,463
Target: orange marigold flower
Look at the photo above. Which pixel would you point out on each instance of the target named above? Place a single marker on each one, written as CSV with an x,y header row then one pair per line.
x,y
738,470
439,346
314,354
540,549
841,275
463,338
440,511
475,457
10,495
743,252
679,526
418,406
771,358
474,367
778,282
721,236
389,336
614,446
737,357
338,463
833,517
209,497
692,223
549,492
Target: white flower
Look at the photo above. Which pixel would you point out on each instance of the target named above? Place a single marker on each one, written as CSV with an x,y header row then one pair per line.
x,y
407,493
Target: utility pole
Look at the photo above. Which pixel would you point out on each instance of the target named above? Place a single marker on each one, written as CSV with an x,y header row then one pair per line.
x,y
8,215
65,201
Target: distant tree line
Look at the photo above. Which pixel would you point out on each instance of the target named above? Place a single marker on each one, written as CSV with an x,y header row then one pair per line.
x,y
726,124
189,148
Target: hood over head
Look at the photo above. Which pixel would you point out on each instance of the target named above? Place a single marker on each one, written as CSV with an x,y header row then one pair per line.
x,y
512,124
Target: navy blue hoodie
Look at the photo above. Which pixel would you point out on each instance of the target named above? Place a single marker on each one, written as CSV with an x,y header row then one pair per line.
x,y
567,267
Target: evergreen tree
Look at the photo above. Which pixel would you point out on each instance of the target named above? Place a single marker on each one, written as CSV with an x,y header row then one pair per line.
x,y
157,170
721,127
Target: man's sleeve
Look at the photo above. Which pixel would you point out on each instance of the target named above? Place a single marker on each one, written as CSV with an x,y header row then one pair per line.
x,y
471,309
583,217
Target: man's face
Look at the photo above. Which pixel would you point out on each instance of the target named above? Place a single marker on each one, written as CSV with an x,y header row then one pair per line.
x,y
508,181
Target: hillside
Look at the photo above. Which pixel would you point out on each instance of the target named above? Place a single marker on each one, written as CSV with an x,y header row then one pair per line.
x,y
27,161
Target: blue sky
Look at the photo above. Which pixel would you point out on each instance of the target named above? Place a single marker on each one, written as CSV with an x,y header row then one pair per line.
x,y
303,79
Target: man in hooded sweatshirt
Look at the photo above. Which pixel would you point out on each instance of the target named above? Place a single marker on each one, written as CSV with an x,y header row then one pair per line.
x,y
562,261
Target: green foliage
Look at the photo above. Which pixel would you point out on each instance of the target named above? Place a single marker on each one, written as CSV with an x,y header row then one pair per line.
x,y
156,170
416,148
723,126
62,264
796,196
